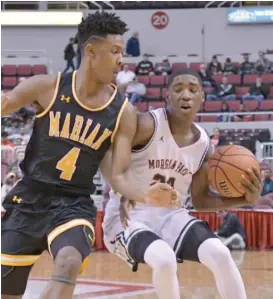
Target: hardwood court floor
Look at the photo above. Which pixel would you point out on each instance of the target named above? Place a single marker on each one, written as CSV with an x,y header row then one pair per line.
x,y
108,277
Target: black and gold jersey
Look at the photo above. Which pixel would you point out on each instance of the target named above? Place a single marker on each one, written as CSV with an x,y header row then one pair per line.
x,y
69,140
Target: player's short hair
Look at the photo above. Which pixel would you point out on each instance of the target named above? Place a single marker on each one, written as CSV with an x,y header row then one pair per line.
x,y
100,24
184,72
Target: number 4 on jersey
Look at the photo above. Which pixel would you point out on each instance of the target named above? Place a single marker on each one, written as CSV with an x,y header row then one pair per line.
x,y
159,178
67,164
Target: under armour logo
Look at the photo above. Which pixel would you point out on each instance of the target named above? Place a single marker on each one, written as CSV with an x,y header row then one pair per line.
x,y
161,139
16,199
65,99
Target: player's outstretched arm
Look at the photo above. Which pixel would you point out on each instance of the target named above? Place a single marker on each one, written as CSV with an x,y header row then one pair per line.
x,y
30,91
203,199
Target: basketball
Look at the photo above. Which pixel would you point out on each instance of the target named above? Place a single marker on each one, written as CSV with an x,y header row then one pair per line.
x,y
226,168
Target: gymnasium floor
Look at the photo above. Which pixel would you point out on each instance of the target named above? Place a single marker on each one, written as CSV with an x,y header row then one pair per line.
x,y
108,277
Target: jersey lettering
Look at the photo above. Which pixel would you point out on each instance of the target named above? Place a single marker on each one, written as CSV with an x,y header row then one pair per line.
x,y
94,139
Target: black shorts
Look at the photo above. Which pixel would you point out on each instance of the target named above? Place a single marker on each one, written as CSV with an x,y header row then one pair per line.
x,y
36,221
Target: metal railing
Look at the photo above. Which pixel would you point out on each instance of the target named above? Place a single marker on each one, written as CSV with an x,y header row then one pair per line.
x,y
264,152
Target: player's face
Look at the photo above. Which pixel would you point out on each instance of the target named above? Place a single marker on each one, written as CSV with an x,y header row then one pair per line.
x,y
105,57
185,96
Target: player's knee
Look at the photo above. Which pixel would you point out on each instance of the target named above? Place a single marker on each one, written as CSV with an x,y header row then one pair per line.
x,y
68,261
160,256
219,252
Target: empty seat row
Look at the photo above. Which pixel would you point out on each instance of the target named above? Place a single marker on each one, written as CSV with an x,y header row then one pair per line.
x,y
23,70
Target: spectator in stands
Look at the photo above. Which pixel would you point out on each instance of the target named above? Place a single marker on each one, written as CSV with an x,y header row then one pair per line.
x,y
223,117
268,182
145,67
263,65
8,184
124,77
132,46
226,90
5,140
229,67
242,117
69,55
214,66
135,91
216,137
231,231
164,68
258,91
205,76
246,66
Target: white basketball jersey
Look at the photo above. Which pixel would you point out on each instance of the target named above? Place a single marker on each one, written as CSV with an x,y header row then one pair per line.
x,y
163,161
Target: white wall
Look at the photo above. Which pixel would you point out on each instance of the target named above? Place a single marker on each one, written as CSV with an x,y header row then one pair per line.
x,y
181,37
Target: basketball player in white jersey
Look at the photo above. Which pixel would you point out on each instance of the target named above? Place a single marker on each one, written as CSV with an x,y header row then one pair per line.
x,y
170,148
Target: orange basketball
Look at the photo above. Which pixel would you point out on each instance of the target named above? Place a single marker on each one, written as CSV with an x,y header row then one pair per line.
x,y
226,167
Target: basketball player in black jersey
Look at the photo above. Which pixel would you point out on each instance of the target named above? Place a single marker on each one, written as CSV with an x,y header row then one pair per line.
x,y
80,115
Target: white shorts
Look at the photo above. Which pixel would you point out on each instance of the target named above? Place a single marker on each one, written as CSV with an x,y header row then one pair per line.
x,y
171,225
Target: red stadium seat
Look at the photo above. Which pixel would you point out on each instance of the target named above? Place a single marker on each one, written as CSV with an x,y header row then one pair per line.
x,y
131,67
251,105
241,91
141,106
271,92
153,93
178,65
164,93
24,70
9,70
213,105
39,69
261,117
250,79
9,82
157,104
195,66
234,79
218,78
144,79
208,118
267,78
157,80
233,105
266,105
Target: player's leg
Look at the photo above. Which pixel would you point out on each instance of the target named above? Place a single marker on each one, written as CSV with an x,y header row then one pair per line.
x,y
200,244
136,244
19,252
70,245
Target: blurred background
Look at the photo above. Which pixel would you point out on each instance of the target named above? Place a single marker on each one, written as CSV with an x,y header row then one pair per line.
x,y
228,42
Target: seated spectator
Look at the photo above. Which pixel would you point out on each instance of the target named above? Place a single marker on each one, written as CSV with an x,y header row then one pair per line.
x,y
268,182
145,67
164,68
124,77
214,66
258,91
242,117
5,140
216,138
246,66
263,65
223,117
225,91
205,76
229,68
231,231
135,91
132,46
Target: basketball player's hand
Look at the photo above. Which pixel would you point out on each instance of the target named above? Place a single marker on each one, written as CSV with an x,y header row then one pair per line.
x,y
124,209
162,195
253,185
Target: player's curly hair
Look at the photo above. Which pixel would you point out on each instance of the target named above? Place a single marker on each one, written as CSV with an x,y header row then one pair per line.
x,y
100,24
